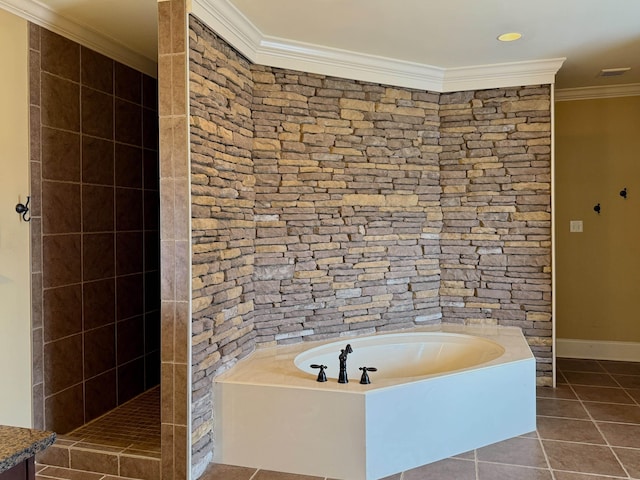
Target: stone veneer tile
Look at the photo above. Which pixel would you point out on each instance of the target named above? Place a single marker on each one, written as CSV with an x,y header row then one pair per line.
x,y
181,387
165,89
178,33
178,84
181,332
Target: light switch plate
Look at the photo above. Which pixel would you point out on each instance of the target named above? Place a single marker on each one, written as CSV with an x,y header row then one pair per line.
x,y
575,226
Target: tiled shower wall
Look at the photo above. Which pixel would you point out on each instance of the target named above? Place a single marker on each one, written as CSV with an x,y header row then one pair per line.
x,y
95,237
375,208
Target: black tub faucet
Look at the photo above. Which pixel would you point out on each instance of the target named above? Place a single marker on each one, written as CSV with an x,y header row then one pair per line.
x,y
342,377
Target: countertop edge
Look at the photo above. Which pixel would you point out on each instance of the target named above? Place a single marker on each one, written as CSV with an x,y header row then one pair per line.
x,y
19,456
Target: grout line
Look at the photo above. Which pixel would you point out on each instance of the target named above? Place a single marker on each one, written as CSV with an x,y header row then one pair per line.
x,y
595,424
544,452
476,464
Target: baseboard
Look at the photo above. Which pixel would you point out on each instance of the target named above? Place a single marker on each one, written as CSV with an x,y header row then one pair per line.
x,y
598,350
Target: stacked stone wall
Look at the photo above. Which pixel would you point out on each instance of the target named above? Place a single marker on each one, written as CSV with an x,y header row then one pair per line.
x,y
495,170
347,206
223,230
323,207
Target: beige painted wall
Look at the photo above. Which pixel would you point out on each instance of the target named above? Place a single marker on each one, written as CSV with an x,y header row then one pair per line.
x,y
15,320
598,271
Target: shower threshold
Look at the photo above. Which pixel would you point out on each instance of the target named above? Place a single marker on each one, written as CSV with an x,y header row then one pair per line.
x,y
123,442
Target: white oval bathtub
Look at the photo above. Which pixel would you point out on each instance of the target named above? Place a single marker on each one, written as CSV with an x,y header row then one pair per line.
x,y
437,393
403,354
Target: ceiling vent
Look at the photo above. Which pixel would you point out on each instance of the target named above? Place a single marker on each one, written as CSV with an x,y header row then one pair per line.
x,y
613,72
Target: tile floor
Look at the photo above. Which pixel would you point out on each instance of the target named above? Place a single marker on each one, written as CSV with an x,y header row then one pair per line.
x,y
588,429
124,443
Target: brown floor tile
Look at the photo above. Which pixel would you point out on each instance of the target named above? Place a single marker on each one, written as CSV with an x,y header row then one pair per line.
x,y
634,393
56,456
602,394
466,455
561,391
613,412
590,378
115,477
217,471
560,379
516,451
269,475
495,471
578,365
621,435
443,470
67,474
132,424
580,476
101,444
582,458
624,368
630,459
628,381
140,467
574,446
551,407
94,461
569,430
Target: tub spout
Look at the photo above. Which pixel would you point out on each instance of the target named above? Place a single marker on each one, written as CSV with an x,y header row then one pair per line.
x,y
342,377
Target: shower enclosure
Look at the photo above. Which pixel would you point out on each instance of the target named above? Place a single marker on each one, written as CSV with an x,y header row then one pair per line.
x,y
95,239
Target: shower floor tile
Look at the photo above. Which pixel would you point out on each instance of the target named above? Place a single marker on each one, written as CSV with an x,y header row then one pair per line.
x,y
134,426
122,444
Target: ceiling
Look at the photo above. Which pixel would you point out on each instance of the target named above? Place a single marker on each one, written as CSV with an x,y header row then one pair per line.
x,y
591,34
445,34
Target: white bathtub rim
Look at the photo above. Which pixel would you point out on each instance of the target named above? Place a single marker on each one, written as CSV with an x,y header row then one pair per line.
x,y
273,366
406,340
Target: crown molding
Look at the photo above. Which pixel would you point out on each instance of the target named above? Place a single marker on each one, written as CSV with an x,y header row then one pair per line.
x,y
232,25
293,55
39,14
592,93
502,75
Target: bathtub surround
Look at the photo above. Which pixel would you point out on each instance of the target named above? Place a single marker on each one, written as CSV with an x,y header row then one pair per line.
x,y
467,388
95,264
356,208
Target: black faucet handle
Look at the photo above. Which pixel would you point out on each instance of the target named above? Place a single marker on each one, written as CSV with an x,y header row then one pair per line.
x,y
364,379
322,377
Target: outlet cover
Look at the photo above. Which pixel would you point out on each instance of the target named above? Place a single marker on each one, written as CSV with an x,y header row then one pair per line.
x,y
575,226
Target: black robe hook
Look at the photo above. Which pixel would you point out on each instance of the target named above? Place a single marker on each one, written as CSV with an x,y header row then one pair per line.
x,y
23,210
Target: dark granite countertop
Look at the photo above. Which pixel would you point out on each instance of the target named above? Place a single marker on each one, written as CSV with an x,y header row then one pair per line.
x,y
18,444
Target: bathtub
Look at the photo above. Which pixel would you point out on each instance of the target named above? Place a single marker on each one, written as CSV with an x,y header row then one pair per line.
x,y
436,393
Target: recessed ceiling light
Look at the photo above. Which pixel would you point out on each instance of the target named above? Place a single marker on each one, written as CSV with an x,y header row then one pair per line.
x,y
510,37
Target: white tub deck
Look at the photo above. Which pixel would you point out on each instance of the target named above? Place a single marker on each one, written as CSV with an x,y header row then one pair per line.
x,y
271,415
